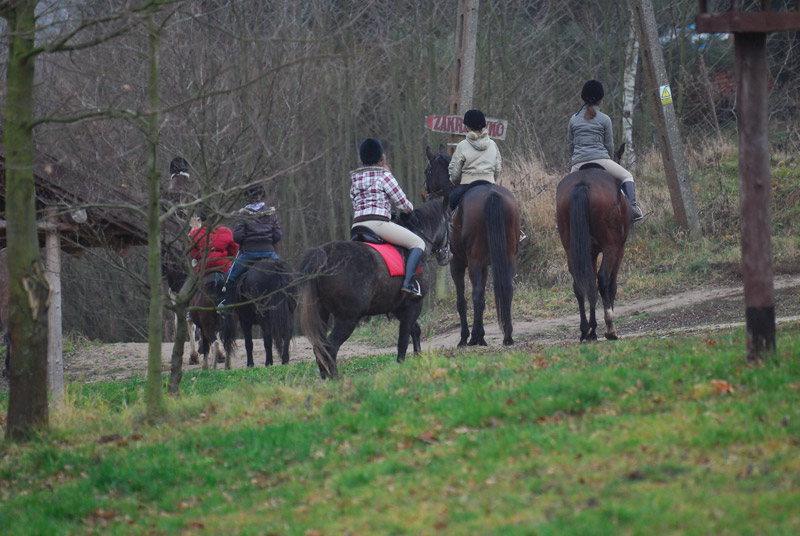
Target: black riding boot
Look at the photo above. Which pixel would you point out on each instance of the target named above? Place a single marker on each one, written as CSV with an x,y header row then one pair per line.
x,y
630,192
227,295
410,285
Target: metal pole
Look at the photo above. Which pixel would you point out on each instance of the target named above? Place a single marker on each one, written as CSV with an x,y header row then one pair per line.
x,y
754,192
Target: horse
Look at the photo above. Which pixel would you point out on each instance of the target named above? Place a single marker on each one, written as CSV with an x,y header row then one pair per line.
x,y
486,230
210,322
593,217
265,296
349,280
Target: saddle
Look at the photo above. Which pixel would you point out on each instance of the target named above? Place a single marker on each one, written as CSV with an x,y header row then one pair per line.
x,y
458,192
394,256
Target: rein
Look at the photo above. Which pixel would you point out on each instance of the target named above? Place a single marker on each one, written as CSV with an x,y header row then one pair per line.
x,y
429,176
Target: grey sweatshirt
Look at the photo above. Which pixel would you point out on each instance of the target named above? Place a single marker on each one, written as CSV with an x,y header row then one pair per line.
x,y
590,139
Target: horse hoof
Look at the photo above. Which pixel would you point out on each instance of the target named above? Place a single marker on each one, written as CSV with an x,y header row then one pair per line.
x,y
461,343
508,342
250,365
194,359
611,336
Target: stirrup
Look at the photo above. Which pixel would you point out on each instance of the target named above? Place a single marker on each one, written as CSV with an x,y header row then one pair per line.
x,y
523,236
634,217
414,290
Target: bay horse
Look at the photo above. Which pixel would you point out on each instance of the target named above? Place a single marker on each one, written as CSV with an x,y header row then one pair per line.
x,y
266,296
210,323
593,217
349,280
486,226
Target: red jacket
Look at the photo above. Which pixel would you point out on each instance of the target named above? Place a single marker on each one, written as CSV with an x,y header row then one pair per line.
x,y
218,254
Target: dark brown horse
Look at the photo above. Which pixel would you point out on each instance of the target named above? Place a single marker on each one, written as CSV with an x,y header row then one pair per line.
x,y
210,322
486,227
265,296
593,217
349,280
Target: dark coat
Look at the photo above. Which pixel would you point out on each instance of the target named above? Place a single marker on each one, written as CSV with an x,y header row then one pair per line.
x,y
258,230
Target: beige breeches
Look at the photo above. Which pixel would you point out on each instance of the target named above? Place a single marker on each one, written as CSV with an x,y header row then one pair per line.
x,y
394,234
612,167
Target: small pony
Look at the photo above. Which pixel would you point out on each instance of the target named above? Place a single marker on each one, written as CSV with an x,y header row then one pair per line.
x,y
266,296
593,217
204,315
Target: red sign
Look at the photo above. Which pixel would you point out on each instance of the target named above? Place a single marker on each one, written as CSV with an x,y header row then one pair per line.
x,y
454,124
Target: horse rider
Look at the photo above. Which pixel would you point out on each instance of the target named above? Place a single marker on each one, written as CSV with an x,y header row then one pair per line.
x,y
373,190
213,250
257,232
591,140
476,159
178,190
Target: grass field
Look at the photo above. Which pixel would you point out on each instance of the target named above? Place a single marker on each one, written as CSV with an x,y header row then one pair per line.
x,y
667,436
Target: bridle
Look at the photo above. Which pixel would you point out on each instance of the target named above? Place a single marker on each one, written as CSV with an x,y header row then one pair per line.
x,y
428,178
441,248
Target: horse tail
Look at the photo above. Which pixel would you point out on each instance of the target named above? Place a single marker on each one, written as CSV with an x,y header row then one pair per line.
x,y
580,248
502,268
228,332
312,323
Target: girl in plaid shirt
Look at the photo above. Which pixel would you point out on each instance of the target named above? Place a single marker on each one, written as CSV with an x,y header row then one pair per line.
x,y
373,190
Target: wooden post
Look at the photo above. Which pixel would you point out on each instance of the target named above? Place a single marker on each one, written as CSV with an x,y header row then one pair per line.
x,y
754,192
55,348
675,166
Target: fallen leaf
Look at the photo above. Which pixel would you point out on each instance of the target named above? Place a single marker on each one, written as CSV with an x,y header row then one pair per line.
x,y
428,437
721,387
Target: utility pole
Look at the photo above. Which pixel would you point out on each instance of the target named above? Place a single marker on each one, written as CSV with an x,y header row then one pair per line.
x,y
675,166
466,47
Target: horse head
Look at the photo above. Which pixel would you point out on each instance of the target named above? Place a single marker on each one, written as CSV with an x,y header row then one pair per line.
x,y
437,176
429,222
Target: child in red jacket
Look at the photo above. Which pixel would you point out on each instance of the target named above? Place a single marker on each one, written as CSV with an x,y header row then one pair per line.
x,y
214,252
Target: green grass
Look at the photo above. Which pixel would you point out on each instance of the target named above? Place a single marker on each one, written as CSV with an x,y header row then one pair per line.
x,y
633,437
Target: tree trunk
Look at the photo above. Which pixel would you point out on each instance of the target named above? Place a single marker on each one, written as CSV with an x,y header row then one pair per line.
x,y
628,93
154,399
29,290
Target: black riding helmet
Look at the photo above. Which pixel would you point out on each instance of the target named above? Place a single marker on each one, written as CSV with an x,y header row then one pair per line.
x,y
370,151
592,92
178,165
475,120
255,193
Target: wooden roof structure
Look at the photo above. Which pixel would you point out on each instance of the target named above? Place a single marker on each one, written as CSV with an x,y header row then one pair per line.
x,y
734,20
88,214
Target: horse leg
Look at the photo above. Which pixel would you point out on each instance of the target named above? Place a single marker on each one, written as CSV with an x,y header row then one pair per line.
x,y
247,329
478,276
342,329
416,333
267,333
607,283
592,298
408,321
191,330
457,271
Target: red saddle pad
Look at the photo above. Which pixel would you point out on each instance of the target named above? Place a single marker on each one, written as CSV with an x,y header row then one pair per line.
x,y
392,258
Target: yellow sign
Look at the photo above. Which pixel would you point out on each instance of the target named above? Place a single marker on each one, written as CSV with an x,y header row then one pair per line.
x,y
666,94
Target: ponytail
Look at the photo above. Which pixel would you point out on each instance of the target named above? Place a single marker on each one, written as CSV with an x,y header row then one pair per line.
x,y
591,112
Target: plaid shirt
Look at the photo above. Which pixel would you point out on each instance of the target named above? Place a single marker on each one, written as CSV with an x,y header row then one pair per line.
x,y
373,190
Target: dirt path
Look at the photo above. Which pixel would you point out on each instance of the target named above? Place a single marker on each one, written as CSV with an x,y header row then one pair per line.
x,y
695,310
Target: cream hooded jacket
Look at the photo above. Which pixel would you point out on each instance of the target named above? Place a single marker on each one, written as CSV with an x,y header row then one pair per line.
x,y
475,158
